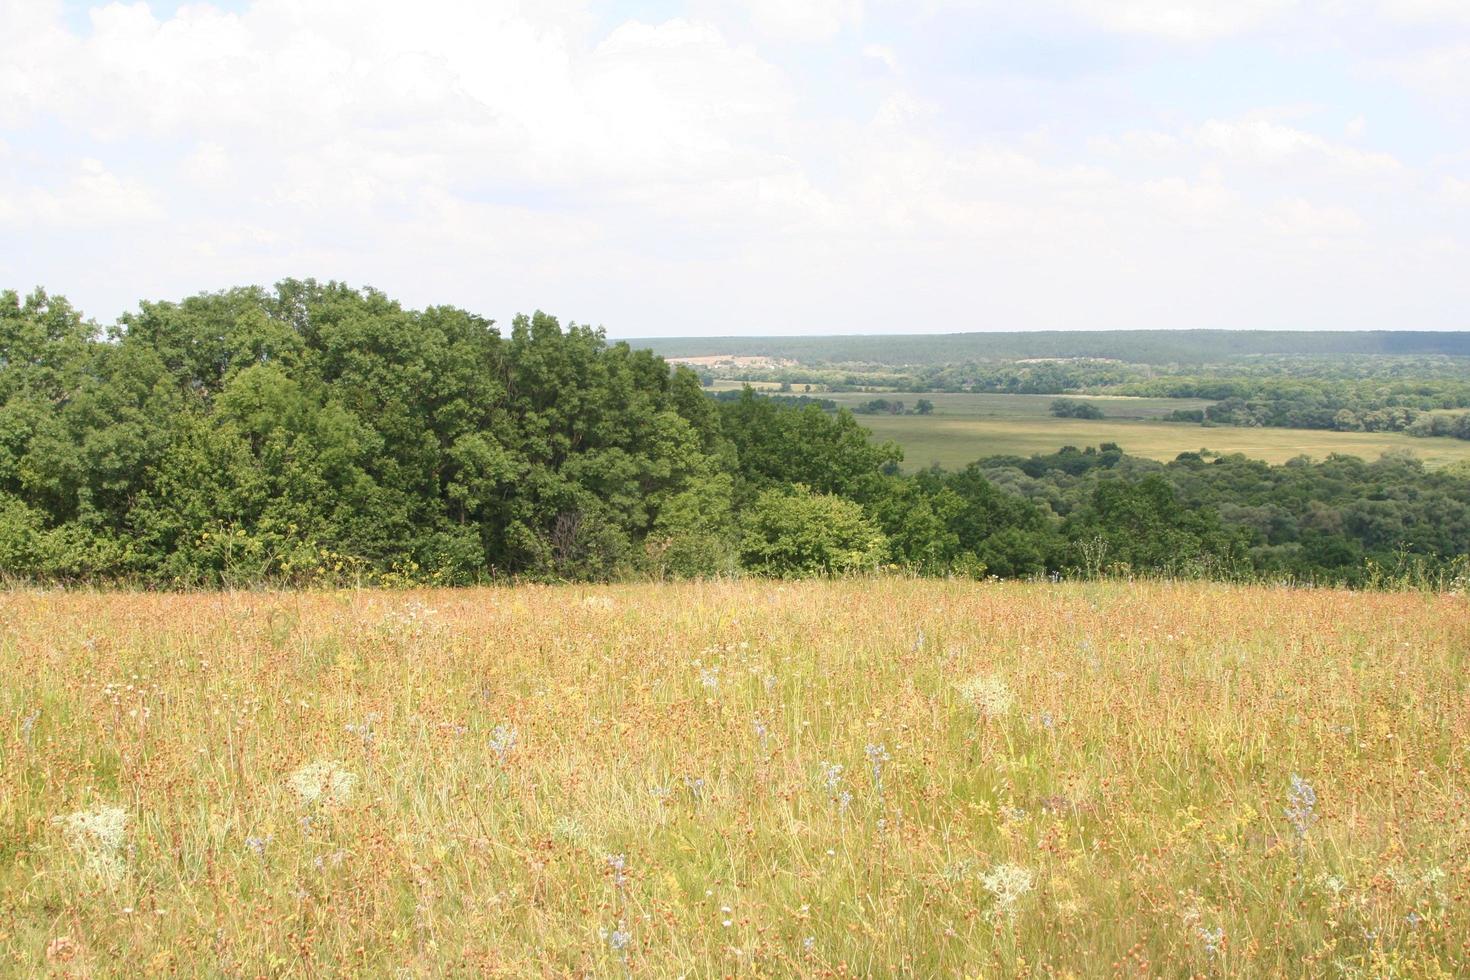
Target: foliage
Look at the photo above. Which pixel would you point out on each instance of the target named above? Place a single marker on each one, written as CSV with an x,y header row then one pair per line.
x,y
1072,408
314,433
799,533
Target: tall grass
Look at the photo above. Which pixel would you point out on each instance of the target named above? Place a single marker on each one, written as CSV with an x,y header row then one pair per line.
x,y
875,778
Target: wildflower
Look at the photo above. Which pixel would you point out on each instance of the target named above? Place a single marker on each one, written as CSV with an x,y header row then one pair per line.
x,y
695,786
761,732
809,944
257,844
618,864
363,731
28,726
989,695
709,677
569,829
831,776
1301,805
502,740
877,756
1008,883
98,837
619,938
958,871
1212,938
323,781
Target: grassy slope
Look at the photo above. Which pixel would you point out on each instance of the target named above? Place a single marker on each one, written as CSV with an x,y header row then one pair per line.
x,y
1137,776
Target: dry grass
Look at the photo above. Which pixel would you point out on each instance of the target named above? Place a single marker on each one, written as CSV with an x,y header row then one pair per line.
x,y
1087,780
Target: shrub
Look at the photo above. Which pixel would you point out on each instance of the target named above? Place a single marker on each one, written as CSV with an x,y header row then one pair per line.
x,y
799,533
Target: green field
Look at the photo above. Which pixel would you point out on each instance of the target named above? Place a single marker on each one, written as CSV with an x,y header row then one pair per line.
x,y
955,441
968,425
984,405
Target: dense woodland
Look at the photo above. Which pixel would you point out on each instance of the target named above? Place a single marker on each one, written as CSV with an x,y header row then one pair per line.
x,y
316,433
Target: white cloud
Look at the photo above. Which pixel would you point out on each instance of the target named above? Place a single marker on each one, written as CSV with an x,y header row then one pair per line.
x,y
1184,20
882,54
508,154
1442,71
91,197
1455,191
1261,141
1300,217
1426,11
803,20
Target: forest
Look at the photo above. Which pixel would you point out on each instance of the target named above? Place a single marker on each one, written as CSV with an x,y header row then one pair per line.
x,y
319,433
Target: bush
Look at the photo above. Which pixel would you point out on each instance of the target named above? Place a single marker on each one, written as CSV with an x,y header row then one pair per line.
x,y
799,533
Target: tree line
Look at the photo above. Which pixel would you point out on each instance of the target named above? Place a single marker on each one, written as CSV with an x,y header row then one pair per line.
x,y
316,433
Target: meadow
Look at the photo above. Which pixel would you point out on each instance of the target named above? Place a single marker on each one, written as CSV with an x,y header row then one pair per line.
x,y
882,777
954,442
966,426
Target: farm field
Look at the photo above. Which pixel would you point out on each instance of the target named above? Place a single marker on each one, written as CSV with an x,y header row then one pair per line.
x,y
859,778
984,405
955,442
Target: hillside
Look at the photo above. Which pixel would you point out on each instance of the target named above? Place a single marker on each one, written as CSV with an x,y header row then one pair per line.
x,y
862,778
1138,346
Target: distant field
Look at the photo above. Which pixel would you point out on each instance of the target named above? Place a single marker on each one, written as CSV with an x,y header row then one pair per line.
x,y
984,405
980,405
1140,346
873,778
954,442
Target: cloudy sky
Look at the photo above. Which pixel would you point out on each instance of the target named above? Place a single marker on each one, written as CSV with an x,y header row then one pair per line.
x,y
753,166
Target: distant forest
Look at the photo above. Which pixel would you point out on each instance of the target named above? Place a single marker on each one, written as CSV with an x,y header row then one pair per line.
x,y
1131,346
314,433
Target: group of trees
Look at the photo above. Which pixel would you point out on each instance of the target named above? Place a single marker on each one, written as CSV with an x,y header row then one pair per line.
x,y
315,432
887,406
1072,408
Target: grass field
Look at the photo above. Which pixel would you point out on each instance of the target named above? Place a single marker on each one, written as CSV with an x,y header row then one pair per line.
x,y
967,426
955,442
983,405
863,778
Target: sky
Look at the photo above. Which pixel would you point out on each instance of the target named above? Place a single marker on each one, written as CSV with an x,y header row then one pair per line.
x,y
713,167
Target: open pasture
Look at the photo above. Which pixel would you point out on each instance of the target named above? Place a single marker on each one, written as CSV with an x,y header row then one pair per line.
x,y
861,778
997,405
956,442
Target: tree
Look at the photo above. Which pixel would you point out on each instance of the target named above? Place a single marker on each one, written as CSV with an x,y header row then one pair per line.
x,y
1070,408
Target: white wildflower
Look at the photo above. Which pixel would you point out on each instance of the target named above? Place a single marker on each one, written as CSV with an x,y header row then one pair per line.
x,y
988,694
98,837
323,781
1008,883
